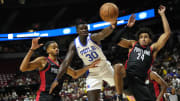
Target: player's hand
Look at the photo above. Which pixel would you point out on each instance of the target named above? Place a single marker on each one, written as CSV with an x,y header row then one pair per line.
x,y
113,24
94,64
131,21
35,43
161,9
53,85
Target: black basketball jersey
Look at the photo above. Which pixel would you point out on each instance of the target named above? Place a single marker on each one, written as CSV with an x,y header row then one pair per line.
x,y
47,76
139,61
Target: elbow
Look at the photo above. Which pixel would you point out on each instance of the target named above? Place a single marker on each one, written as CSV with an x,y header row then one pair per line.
x,y
165,86
75,76
169,32
22,69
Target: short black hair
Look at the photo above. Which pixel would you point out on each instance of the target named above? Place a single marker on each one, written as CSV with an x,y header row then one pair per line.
x,y
144,30
47,44
80,21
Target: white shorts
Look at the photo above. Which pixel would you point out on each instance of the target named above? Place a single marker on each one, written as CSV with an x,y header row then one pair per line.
x,y
95,79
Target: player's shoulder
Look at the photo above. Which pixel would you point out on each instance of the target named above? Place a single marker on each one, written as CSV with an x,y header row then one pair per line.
x,y
41,58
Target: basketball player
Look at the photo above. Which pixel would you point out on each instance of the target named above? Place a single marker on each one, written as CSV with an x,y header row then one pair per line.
x,y
48,68
140,58
157,85
88,48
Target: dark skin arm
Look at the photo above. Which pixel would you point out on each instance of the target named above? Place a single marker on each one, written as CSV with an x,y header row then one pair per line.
x,y
77,73
107,31
64,65
161,82
97,37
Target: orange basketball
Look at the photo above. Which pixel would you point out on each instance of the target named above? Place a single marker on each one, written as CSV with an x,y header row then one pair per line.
x,y
109,12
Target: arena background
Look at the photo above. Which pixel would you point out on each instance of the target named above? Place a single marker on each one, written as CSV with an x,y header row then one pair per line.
x,y
34,15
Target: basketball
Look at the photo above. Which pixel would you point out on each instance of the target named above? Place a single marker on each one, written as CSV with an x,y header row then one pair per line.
x,y
109,12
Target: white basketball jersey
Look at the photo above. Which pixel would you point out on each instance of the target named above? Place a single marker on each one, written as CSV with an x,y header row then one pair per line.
x,y
89,52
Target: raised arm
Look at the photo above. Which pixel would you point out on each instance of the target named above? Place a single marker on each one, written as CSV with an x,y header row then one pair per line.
x,y
64,65
97,37
165,36
121,41
26,65
77,73
161,82
126,43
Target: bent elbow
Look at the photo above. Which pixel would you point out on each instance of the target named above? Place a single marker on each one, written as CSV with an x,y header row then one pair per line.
x,y
22,70
75,77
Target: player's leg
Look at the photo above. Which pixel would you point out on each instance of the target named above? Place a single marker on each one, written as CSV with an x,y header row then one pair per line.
x,y
94,95
93,86
140,91
114,77
119,74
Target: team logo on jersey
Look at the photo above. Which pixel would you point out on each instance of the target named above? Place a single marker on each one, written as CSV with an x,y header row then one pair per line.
x,y
88,49
54,70
141,53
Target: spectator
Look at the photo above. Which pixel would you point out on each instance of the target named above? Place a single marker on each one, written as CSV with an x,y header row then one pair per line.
x,y
172,96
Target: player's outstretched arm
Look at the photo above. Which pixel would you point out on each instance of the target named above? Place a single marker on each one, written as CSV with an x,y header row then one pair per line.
x,y
165,36
97,37
77,73
121,41
26,65
161,82
64,65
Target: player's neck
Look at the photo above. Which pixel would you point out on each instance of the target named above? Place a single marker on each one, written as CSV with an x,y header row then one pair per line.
x,y
54,58
83,39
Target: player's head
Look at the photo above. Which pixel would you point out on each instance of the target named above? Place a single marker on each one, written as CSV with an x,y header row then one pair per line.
x,y
81,27
144,36
51,47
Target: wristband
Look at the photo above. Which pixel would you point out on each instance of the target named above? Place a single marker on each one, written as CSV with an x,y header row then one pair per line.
x,y
56,79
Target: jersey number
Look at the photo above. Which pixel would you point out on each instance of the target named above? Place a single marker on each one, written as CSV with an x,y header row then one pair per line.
x,y
140,56
92,56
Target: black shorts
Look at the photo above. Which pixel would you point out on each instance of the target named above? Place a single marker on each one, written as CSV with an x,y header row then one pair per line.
x,y
44,96
137,87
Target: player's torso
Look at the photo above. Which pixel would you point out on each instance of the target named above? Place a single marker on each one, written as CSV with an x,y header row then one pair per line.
x,y
139,60
48,74
89,52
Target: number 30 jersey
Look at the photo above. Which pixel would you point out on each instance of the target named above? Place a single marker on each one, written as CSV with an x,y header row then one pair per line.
x,y
89,52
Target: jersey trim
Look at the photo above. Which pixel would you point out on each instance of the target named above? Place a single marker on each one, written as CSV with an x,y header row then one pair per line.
x,y
152,55
129,54
94,41
53,61
43,78
81,43
38,95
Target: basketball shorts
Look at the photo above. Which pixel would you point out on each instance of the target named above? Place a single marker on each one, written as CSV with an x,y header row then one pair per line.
x,y
95,79
137,87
